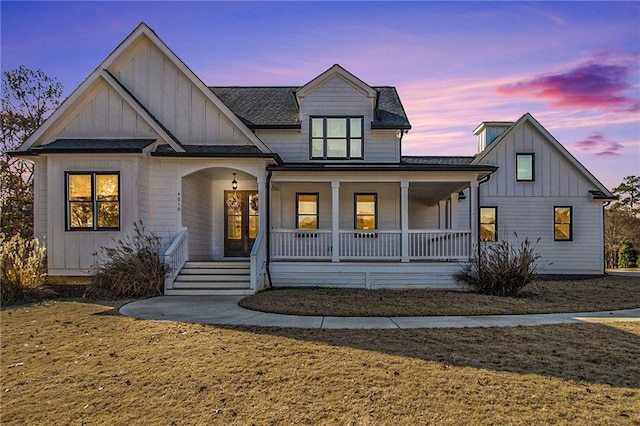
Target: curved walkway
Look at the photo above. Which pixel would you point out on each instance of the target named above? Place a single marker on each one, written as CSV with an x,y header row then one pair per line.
x,y
224,310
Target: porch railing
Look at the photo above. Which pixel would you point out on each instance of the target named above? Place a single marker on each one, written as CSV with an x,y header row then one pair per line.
x,y
176,256
374,244
440,244
300,244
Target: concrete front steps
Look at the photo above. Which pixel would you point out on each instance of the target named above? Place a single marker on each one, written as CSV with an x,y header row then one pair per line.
x,y
225,278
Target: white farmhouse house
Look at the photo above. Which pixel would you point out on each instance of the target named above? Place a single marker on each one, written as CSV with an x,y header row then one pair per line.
x,y
292,186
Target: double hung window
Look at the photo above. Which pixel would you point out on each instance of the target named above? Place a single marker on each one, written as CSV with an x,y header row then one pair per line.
x,y
307,211
93,201
338,138
562,223
366,211
488,224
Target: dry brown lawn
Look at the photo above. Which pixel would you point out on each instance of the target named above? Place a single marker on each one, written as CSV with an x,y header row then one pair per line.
x,y
79,363
596,294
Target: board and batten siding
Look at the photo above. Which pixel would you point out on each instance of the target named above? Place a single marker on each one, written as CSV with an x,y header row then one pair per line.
x,y
171,97
334,98
527,208
74,250
103,113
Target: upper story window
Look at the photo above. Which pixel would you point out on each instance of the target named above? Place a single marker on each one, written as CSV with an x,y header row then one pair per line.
x,y
336,138
93,201
307,211
488,224
525,167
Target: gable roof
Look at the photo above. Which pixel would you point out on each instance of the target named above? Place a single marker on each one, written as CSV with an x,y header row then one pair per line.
x,y
268,107
336,71
528,118
142,30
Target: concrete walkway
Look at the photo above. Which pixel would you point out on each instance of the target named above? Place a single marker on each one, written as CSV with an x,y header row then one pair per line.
x,y
224,310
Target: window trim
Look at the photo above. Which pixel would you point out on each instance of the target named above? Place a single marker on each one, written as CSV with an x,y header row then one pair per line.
x,y
94,202
495,225
317,195
347,137
355,210
533,166
562,223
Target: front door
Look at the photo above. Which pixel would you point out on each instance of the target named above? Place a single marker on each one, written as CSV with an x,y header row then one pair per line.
x,y
241,222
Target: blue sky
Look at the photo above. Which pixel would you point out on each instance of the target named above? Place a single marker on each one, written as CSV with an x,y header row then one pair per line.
x,y
574,65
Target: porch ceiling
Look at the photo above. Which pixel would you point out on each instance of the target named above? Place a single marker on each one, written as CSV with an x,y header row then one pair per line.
x,y
432,192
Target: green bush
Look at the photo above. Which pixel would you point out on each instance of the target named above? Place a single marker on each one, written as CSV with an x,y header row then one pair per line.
x,y
131,269
627,255
498,269
23,270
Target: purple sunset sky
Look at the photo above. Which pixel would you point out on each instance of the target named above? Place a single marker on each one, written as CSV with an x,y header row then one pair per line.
x,y
574,65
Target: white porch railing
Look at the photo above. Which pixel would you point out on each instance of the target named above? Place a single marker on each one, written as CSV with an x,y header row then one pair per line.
x,y
176,256
439,244
374,244
258,258
300,244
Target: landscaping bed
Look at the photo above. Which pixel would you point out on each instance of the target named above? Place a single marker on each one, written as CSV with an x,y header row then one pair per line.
x,y
542,296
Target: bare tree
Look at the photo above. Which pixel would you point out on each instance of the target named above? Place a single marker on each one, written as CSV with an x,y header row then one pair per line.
x,y
28,98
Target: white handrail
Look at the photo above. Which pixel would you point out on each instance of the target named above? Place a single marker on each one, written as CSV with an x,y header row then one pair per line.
x,y
176,256
258,261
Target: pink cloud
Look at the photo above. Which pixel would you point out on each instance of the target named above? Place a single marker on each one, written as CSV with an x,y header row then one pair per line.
x,y
587,86
600,145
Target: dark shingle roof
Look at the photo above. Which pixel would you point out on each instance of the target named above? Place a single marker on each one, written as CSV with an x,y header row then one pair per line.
x,y
277,108
436,161
261,107
389,111
214,151
94,145
599,195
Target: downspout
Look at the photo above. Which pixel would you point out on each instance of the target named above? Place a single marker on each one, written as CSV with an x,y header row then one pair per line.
x,y
268,230
480,182
604,243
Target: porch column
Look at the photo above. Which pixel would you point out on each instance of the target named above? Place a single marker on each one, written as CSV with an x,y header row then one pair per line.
x,y
335,221
404,220
262,198
473,207
453,210
442,214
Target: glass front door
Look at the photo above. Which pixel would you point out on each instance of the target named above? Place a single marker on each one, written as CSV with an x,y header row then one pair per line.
x,y
241,222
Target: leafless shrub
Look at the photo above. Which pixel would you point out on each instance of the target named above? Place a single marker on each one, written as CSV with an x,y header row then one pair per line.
x,y
499,269
131,269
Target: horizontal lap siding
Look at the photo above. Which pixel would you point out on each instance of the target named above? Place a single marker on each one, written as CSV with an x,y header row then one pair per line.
x,y
164,200
335,97
72,252
533,218
197,216
365,275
